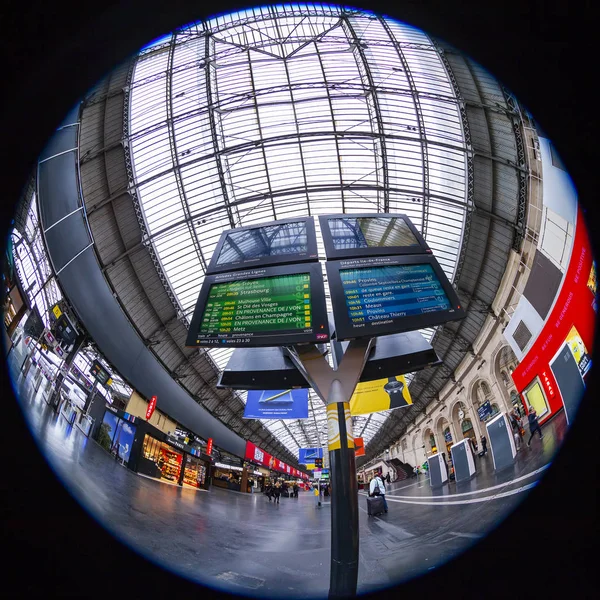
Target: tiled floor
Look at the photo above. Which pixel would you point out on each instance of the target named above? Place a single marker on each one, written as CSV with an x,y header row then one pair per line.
x,y
267,549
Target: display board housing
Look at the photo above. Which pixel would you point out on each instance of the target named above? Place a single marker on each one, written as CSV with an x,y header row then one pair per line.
x,y
270,306
380,296
99,372
370,234
270,244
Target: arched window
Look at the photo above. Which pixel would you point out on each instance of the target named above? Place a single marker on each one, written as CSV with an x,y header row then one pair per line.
x,y
447,435
432,443
485,388
495,410
504,377
466,427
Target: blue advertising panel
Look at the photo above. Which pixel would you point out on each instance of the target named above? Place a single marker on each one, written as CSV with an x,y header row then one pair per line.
x,y
277,404
307,455
124,439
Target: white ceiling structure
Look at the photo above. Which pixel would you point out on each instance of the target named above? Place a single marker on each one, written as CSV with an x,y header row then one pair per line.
x,y
281,112
288,111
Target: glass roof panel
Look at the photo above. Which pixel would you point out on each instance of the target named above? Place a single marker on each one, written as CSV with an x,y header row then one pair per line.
x,y
285,111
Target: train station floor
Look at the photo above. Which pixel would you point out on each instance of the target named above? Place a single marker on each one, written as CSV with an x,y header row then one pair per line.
x,y
266,549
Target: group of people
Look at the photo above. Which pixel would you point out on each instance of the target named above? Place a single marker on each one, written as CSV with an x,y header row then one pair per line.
x,y
519,431
274,491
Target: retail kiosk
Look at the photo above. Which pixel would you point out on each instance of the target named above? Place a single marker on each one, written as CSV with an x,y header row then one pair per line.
x,y
463,461
502,443
149,451
438,471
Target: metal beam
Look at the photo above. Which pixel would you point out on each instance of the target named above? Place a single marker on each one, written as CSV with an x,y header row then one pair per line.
x,y
175,155
421,127
213,126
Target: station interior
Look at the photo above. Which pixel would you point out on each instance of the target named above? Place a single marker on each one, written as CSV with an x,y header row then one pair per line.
x,y
198,456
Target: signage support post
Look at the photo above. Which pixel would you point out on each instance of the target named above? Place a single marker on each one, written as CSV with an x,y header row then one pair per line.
x,y
335,388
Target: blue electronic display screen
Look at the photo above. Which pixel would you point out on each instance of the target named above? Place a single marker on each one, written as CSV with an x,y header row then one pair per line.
x,y
380,294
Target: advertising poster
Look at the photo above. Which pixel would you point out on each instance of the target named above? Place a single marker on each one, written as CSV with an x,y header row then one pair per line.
x,y
592,286
579,351
307,455
124,439
571,322
378,395
277,404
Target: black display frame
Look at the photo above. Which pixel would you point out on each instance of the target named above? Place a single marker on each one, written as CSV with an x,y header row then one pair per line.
x,y
101,368
332,254
318,310
311,255
345,330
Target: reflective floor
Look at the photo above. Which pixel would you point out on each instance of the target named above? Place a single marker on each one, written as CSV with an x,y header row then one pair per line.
x,y
266,549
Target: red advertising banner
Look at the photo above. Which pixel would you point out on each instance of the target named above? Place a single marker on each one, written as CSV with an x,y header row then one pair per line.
x,y
258,456
209,445
573,308
151,407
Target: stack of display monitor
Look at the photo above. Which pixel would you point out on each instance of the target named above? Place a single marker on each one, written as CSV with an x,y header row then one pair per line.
x,y
265,287
383,277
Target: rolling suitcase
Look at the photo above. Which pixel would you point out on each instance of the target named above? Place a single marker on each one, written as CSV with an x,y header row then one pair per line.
x,y
375,505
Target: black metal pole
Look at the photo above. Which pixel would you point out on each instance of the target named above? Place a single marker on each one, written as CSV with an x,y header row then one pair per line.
x,y
344,515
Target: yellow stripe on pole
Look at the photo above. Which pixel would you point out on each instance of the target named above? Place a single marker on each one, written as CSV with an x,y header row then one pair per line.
x,y
348,417
333,428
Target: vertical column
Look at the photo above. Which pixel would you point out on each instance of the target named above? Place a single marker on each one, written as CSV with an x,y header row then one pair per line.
x,y
344,498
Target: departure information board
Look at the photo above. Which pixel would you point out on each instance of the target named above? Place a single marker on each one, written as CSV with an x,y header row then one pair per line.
x,y
272,306
278,303
385,295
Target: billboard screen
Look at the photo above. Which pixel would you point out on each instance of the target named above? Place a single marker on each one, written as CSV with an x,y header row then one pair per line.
x,y
264,307
277,404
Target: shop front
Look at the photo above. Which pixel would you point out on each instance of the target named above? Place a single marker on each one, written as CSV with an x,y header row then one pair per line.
x,y
227,476
149,451
272,469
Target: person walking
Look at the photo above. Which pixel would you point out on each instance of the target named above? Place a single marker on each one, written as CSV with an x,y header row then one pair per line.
x,y
377,488
295,490
277,492
388,479
516,426
533,425
484,444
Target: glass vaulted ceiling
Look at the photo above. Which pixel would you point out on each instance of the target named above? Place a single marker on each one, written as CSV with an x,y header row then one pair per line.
x,y
284,111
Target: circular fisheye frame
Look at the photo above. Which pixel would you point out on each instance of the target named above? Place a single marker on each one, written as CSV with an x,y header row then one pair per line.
x,y
265,119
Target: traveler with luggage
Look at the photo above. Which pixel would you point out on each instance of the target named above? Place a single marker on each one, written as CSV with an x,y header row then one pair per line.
x,y
376,490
